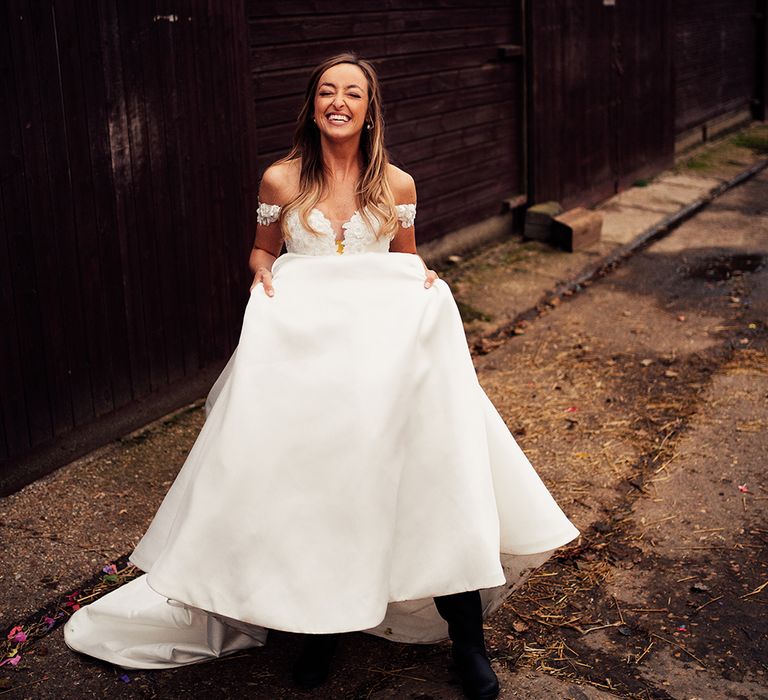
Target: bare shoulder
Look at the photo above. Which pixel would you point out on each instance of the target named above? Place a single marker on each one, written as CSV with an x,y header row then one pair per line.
x,y
402,185
280,182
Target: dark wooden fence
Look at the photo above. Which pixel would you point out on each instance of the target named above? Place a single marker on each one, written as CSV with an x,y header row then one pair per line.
x,y
601,97
127,196
716,44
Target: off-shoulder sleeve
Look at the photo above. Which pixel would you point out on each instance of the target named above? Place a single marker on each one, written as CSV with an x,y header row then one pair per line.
x,y
267,213
406,213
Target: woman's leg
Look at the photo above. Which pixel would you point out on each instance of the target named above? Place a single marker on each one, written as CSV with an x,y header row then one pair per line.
x,y
313,663
464,614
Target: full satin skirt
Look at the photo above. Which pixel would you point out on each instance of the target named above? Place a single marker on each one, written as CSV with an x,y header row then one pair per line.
x,y
350,468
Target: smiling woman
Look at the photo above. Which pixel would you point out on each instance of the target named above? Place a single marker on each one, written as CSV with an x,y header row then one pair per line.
x,y
338,166
352,474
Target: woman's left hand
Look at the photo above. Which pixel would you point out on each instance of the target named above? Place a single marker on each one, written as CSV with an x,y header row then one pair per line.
x,y
431,277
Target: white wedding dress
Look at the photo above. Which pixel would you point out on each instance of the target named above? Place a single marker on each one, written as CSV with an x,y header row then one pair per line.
x,y
350,468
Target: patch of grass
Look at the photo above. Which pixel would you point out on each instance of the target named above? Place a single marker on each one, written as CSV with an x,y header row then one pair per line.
x,y
755,141
539,248
515,256
470,313
701,161
641,182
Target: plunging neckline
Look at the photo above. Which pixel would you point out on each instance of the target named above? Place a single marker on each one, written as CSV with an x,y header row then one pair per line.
x,y
343,226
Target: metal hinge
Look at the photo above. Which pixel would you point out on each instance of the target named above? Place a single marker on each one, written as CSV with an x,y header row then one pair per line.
x,y
506,52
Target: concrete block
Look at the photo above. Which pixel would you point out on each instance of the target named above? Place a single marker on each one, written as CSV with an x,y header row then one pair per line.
x,y
538,220
576,229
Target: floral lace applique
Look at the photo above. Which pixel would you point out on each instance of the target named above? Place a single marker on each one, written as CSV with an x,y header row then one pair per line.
x,y
357,236
267,213
406,213
305,243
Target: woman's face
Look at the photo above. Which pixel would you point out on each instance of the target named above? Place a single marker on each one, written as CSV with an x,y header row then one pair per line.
x,y
341,101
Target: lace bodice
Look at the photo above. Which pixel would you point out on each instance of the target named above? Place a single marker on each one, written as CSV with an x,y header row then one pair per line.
x,y
358,238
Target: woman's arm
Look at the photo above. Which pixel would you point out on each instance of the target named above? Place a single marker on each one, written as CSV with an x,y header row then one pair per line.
x,y
404,189
269,239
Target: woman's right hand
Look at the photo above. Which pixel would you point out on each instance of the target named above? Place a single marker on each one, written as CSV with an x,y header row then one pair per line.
x,y
264,275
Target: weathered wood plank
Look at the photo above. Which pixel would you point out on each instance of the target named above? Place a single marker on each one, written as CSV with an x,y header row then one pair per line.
x,y
132,19
277,30
713,52
42,219
286,56
92,282
32,24
273,83
260,9
113,272
124,233
176,75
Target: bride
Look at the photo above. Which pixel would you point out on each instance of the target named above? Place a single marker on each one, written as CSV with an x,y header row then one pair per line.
x,y
351,474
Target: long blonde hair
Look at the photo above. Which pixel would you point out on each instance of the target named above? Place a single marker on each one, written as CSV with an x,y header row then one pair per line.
x,y
372,191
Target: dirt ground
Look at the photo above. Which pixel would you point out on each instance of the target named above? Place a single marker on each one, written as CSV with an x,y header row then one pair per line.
x,y
641,401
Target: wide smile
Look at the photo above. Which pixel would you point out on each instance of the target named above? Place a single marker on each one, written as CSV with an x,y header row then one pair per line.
x,y
337,118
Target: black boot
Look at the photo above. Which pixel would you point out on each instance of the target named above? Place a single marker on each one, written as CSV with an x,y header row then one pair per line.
x,y
464,614
311,667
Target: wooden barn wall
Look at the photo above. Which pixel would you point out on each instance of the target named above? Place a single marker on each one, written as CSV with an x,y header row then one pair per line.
x,y
600,110
453,107
714,52
126,205
644,85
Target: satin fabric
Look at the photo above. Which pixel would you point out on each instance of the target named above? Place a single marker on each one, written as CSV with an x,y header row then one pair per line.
x,y
350,467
